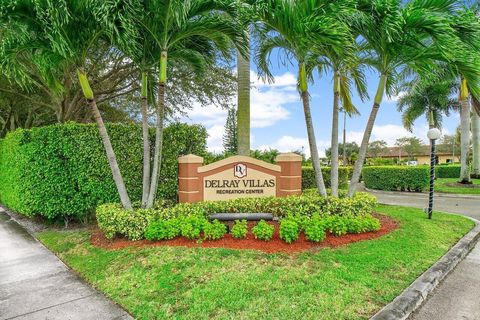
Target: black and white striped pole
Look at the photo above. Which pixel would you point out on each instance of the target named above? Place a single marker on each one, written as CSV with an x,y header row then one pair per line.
x,y
433,134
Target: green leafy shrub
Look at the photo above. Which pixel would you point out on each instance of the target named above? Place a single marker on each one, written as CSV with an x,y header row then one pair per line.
x,y
396,178
362,224
289,230
308,177
62,172
337,225
315,229
263,231
163,229
300,208
447,171
240,229
192,226
113,220
215,230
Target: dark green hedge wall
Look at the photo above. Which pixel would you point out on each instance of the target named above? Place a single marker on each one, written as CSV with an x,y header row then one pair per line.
x,y
396,178
62,170
308,177
450,171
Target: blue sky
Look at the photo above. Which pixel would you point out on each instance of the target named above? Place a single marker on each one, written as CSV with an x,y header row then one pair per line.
x,y
278,120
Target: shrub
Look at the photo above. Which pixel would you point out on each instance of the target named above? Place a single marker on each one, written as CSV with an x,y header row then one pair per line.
x,y
315,229
336,225
192,226
113,220
448,171
163,229
62,171
289,230
308,177
396,178
299,208
215,230
263,231
362,224
240,229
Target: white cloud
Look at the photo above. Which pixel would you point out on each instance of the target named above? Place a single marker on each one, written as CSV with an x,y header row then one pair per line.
x,y
290,144
268,103
395,98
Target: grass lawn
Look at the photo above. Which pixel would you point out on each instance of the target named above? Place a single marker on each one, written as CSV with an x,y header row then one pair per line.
x,y
350,282
441,186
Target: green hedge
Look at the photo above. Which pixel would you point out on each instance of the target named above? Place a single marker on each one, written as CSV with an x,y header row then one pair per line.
x,y
62,171
449,171
114,220
308,177
396,178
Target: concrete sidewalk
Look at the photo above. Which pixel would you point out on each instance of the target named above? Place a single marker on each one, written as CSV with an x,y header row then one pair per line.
x,y
458,297
35,284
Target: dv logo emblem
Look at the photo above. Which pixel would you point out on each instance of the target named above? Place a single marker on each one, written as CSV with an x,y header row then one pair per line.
x,y
240,170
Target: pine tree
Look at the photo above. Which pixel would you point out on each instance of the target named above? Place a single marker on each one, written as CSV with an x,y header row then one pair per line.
x,y
230,140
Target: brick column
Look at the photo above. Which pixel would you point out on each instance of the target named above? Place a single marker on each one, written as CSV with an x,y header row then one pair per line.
x,y
290,181
188,181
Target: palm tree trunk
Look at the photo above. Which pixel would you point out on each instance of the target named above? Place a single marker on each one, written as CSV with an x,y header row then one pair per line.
x,y
157,158
146,141
112,159
311,132
357,171
243,109
334,155
476,141
465,133
345,138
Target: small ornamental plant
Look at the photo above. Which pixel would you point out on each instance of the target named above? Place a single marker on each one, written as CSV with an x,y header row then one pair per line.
x,y
263,231
315,230
163,230
240,229
192,226
289,230
215,230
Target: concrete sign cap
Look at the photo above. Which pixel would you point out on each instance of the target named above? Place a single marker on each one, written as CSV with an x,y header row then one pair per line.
x,y
288,157
190,158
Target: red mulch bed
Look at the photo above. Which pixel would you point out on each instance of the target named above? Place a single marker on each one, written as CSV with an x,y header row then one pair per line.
x,y
250,243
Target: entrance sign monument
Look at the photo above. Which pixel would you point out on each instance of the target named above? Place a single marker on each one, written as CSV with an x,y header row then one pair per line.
x,y
238,177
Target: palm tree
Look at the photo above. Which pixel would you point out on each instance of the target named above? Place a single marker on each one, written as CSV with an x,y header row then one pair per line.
x,y
188,31
243,104
476,138
398,36
466,66
292,27
430,96
347,71
55,36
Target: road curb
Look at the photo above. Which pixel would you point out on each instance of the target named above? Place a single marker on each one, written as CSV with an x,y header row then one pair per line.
x,y
437,194
413,297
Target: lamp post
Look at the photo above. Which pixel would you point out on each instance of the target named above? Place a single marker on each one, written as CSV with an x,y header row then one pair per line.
x,y
433,134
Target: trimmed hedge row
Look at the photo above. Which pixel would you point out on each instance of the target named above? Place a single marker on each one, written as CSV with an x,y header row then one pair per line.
x,y
308,177
450,171
114,220
396,178
61,171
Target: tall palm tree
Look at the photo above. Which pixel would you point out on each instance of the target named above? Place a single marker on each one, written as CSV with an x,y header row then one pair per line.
x,y
396,36
347,70
191,31
292,27
466,66
476,138
429,96
243,103
58,35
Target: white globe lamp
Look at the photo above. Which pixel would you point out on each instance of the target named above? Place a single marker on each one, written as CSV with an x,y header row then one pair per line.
x,y
434,134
